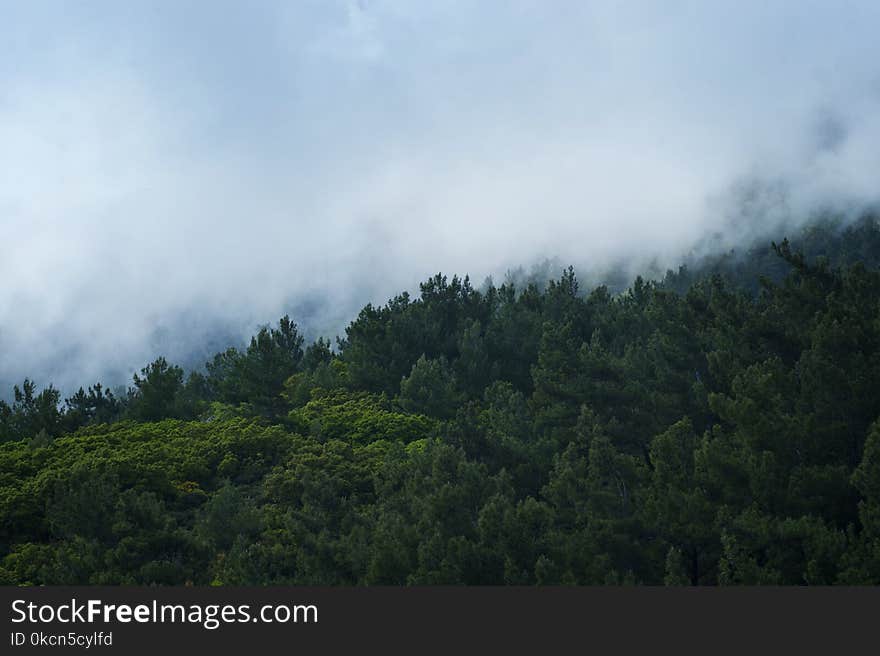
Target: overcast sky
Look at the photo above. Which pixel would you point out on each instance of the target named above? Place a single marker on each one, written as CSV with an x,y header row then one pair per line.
x,y
173,167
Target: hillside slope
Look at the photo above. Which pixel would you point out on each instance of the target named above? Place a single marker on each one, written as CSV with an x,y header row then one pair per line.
x,y
721,426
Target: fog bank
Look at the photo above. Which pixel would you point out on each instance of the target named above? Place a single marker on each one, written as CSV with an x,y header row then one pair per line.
x,y
175,174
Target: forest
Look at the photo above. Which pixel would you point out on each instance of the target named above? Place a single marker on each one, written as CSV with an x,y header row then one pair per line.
x,y
718,426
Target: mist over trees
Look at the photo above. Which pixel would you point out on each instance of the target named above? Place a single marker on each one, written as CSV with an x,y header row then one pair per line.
x,y
720,425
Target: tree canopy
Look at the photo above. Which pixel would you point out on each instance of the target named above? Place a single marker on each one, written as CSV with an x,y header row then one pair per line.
x,y
719,426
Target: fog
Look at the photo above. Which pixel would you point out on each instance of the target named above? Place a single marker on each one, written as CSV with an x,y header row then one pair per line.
x,y
175,174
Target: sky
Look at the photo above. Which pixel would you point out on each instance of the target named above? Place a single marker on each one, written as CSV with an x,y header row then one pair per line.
x,y
174,174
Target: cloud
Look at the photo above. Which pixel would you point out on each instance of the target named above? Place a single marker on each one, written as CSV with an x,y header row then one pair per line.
x,y
175,175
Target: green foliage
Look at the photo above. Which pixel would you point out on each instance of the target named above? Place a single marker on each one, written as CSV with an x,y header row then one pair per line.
x,y
257,375
98,406
430,389
357,418
719,427
158,393
30,413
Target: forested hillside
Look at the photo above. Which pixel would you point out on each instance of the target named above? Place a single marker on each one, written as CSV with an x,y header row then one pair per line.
x,y
721,426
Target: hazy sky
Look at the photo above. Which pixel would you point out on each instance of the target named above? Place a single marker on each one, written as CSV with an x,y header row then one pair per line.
x,y
173,167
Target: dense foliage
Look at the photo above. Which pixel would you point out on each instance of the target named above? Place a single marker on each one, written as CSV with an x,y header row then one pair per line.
x,y
721,426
